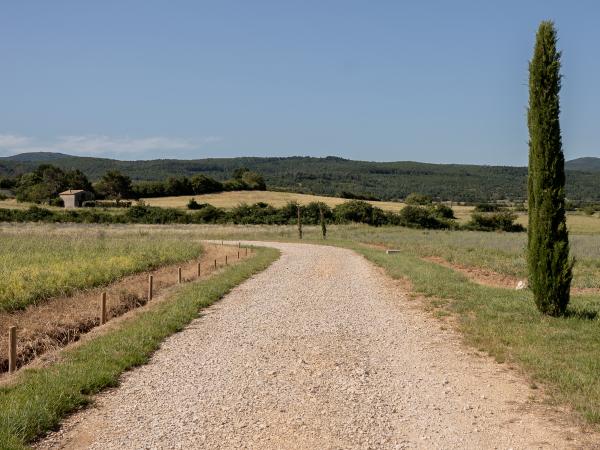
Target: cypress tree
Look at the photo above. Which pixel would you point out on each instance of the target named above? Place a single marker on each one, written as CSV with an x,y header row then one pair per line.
x,y
550,268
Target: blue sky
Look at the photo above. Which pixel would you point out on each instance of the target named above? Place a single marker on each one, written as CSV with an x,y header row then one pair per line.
x,y
434,81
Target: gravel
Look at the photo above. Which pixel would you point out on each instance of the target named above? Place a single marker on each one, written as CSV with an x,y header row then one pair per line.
x,y
320,351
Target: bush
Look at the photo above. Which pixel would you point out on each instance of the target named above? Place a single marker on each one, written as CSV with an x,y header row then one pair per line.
x,y
353,196
106,204
421,217
499,221
442,211
57,201
193,204
487,207
358,211
418,199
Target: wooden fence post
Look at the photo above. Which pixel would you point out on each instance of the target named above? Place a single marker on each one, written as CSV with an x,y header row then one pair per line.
x,y
179,275
215,263
150,279
246,251
226,263
238,254
198,270
103,308
12,349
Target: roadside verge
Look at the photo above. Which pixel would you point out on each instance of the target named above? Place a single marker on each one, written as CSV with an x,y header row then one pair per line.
x,y
36,400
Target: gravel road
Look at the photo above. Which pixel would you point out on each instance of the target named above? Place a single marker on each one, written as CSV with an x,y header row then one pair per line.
x,y
320,351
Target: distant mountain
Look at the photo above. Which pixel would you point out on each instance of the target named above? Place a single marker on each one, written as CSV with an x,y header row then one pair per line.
x,y
36,157
332,175
589,164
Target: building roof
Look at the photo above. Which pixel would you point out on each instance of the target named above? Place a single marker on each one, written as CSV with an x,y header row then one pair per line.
x,y
72,192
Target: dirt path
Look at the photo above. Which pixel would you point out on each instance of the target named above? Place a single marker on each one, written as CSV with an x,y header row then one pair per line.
x,y
319,351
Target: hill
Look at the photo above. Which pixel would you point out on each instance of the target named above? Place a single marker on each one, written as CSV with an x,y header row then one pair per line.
x,y
589,164
330,175
36,157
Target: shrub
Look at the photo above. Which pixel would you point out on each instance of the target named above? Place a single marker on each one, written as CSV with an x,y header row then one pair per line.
x,y
193,204
106,204
421,217
442,211
358,211
353,196
498,221
418,199
487,207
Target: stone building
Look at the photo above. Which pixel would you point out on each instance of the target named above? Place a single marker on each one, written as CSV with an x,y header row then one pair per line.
x,y
73,198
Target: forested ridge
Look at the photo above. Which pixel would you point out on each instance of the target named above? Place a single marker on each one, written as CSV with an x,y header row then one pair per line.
x,y
332,175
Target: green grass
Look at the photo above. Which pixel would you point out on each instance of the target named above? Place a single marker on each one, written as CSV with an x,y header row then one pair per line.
x,y
39,398
500,252
563,353
41,262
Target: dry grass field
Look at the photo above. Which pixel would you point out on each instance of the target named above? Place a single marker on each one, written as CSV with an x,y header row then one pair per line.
x,y
277,199
39,262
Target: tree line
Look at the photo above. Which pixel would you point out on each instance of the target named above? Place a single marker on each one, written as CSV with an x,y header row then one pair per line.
x,y
335,176
431,216
43,185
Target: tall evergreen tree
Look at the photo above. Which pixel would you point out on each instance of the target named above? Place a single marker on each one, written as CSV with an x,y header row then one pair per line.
x,y
550,268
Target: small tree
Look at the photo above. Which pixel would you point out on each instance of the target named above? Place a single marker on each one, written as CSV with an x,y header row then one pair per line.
x,y
299,222
322,221
550,268
114,185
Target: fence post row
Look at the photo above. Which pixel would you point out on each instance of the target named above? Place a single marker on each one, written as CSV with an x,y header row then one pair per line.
x,y
12,349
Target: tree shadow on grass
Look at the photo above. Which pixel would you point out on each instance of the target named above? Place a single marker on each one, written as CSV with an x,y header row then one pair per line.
x,y
581,313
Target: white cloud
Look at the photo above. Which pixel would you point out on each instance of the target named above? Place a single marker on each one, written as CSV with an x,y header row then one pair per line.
x,y
13,140
102,145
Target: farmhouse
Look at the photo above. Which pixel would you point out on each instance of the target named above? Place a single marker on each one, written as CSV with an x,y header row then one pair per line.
x,y
73,198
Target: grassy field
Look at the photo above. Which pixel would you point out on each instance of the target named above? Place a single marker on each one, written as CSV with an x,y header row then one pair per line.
x,y
38,262
37,399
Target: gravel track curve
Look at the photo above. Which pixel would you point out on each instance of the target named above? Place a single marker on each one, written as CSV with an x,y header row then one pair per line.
x,y
319,351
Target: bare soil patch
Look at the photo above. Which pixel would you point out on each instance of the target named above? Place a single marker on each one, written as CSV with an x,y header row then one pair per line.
x,y
62,320
488,277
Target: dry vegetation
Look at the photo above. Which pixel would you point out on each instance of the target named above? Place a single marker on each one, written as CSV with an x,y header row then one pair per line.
x,y
61,320
38,262
277,199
